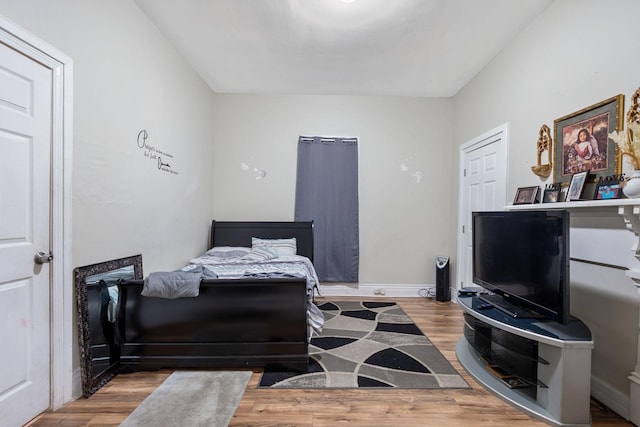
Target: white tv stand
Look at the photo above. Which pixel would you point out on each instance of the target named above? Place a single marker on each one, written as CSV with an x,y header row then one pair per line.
x,y
562,394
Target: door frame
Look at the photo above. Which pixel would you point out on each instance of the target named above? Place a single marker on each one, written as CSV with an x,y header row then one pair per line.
x,y
61,303
501,133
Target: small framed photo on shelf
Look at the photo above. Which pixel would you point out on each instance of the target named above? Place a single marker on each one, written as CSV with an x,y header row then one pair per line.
x,y
577,185
608,187
526,195
552,193
552,196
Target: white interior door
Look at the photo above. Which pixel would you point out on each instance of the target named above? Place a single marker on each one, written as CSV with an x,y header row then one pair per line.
x,y
483,163
25,159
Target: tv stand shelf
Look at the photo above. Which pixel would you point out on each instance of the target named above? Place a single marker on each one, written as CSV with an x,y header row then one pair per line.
x,y
512,310
562,370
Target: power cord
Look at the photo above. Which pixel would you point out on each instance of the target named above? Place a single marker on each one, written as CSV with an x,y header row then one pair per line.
x,y
427,292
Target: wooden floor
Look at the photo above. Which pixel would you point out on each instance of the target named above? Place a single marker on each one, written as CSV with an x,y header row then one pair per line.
x,y
440,321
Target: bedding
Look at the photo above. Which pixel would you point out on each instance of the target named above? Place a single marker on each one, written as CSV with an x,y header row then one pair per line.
x,y
253,261
261,261
171,285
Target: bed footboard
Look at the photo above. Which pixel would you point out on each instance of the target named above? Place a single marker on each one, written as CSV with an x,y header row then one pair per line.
x,y
232,323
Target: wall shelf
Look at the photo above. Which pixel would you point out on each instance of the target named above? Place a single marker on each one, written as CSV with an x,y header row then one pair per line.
x,y
628,209
578,204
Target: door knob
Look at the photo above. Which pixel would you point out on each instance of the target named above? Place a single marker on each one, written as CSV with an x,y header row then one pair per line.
x,y
42,258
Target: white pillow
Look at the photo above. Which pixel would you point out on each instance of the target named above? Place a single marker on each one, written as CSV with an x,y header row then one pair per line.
x,y
283,247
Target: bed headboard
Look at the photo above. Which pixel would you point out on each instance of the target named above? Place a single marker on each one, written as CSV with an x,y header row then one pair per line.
x,y
239,233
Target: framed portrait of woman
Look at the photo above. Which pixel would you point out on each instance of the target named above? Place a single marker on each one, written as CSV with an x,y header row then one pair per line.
x,y
583,144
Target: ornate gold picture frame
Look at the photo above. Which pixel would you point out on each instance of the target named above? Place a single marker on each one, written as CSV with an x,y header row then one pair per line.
x,y
583,143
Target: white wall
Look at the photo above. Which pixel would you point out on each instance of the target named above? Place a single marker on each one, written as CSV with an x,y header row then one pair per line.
x,y
128,78
577,53
403,222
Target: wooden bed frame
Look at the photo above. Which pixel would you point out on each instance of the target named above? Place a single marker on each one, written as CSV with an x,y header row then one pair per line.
x,y
232,323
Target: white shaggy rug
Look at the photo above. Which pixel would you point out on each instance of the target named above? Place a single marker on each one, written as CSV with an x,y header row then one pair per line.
x,y
192,398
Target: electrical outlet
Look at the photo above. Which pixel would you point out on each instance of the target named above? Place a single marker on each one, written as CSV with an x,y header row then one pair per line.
x,y
379,291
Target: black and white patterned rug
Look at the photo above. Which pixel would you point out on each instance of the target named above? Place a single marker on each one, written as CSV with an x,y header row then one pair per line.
x,y
369,344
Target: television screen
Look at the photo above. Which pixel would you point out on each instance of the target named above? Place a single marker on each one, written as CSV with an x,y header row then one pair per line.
x,y
523,256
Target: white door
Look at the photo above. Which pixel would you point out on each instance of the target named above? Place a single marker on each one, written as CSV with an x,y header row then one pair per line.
x,y
25,150
483,163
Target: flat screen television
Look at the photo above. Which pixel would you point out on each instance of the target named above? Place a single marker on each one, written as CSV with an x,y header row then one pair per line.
x,y
522,257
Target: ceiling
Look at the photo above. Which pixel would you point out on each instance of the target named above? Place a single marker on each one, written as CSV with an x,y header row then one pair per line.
x,y
340,47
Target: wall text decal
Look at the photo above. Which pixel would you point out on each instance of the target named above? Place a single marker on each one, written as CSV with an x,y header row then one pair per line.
x,y
161,157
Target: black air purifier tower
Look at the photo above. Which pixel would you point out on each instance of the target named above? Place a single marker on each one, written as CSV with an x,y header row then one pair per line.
x,y
442,279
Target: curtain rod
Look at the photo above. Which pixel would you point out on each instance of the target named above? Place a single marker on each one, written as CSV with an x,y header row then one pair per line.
x,y
309,139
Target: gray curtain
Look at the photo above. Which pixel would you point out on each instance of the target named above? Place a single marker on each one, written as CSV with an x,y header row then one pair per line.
x,y
327,194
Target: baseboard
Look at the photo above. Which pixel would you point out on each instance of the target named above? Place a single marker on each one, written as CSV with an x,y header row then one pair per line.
x,y
378,290
634,397
610,397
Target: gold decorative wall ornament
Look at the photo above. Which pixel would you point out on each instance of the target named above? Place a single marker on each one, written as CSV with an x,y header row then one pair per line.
x,y
633,130
629,142
544,143
633,115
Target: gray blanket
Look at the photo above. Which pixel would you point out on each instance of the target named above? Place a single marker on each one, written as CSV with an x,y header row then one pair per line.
x,y
175,284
